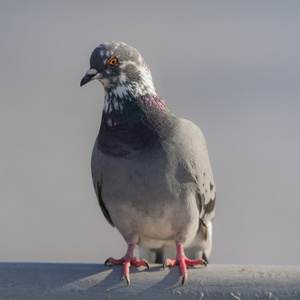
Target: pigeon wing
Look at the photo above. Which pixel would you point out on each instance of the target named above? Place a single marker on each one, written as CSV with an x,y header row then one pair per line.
x,y
97,181
193,152
206,192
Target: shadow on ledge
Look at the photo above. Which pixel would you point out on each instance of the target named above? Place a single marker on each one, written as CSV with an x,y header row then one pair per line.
x,y
96,281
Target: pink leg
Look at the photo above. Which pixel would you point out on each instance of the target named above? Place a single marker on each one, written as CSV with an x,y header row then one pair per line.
x,y
128,259
183,261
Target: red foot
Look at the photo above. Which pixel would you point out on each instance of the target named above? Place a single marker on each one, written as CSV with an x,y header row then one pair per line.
x,y
183,261
128,259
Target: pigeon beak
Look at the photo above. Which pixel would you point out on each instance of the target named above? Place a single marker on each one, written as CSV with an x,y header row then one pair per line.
x,y
89,76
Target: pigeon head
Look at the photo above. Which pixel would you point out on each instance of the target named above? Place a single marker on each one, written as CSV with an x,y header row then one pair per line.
x,y
121,69
134,115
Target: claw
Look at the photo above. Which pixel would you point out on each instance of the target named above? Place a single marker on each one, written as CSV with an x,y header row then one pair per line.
x,y
106,262
164,264
127,279
204,263
147,265
183,279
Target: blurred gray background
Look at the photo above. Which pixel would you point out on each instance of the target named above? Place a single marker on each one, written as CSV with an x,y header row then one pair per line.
x,y
232,67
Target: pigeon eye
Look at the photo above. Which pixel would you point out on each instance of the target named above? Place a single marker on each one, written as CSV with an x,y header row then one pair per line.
x,y
113,61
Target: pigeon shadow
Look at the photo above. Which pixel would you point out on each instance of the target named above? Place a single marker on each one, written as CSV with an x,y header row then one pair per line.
x,y
108,282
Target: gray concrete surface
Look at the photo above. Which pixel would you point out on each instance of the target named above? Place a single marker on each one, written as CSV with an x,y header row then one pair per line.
x,y
95,281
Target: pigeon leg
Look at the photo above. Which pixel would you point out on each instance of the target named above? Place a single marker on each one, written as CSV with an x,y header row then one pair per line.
x,y
183,261
128,259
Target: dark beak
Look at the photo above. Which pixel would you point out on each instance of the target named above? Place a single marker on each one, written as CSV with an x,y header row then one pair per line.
x,y
89,76
85,80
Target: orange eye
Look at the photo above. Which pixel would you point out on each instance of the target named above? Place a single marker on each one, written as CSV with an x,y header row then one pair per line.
x,y
113,61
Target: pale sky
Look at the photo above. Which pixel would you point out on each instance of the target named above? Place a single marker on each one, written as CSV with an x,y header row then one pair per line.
x,y
231,67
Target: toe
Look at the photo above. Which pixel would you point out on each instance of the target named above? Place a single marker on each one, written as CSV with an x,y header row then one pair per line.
x,y
183,269
113,261
170,262
190,262
139,263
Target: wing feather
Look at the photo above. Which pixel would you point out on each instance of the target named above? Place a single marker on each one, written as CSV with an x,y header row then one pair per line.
x,y
102,205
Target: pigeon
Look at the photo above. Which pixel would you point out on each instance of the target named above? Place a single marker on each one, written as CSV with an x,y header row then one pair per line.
x,y
150,169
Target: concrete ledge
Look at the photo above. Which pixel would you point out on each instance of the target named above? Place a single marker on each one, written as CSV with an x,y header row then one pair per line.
x,y
95,281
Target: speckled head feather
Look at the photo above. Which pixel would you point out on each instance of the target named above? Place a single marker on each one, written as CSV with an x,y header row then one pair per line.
x,y
133,112
130,76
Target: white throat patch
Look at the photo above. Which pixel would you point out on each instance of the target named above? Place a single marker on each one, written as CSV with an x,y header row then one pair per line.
x,y
128,89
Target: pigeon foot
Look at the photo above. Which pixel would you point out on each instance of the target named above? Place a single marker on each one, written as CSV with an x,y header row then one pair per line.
x,y
128,260
183,261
